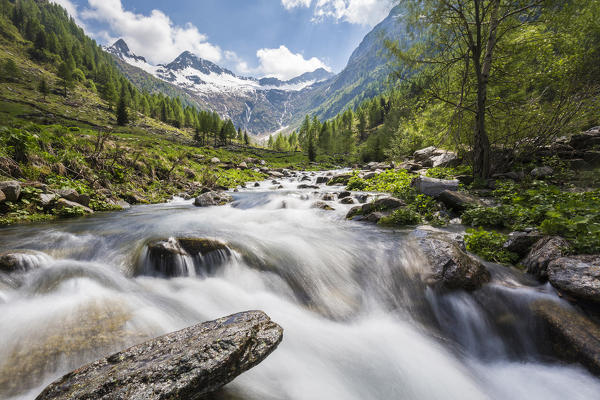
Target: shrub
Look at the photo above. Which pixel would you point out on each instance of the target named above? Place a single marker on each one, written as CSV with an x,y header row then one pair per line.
x,y
402,217
489,246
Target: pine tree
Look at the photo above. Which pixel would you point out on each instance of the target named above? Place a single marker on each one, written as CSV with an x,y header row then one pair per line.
x,y
246,138
43,88
65,73
122,114
312,150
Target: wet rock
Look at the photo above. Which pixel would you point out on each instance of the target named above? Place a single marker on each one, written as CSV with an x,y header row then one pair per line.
x,y
22,260
202,246
276,174
135,198
340,180
64,203
542,172
176,257
187,364
450,265
347,200
578,276
386,203
323,206
434,187
344,194
256,184
520,242
373,212
573,337
362,198
374,217
354,211
212,198
542,253
329,197
305,179
305,186
459,201
11,190
322,179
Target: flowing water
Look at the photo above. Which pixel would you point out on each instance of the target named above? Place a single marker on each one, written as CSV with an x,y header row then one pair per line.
x,y
358,322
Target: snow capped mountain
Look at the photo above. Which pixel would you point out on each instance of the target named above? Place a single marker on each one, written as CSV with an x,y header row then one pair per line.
x,y
201,76
267,105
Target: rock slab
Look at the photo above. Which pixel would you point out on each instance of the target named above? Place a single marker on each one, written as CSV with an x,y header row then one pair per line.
x,y
578,276
574,338
183,365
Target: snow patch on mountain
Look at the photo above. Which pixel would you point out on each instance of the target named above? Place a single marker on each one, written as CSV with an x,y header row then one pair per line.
x,y
204,77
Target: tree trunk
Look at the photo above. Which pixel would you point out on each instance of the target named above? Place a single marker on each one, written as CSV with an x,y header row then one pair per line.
x,y
481,150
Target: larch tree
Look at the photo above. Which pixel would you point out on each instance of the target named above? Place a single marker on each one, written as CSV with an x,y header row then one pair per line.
x,y
460,38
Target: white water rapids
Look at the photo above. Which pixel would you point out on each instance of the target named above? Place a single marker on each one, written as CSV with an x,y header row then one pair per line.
x,y
358,323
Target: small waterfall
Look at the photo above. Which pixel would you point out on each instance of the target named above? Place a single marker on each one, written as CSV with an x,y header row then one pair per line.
x,y
183,257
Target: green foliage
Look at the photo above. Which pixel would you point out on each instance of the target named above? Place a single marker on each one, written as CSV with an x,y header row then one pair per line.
x,y
70,212
448,173
489,246
396,182
573,215
402,217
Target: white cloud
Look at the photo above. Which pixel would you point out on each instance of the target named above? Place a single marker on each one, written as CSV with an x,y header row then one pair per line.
x,y
154,36
281,63
71,10
362,12
289,4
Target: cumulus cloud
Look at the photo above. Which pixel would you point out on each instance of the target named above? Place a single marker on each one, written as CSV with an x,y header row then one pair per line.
x,y
154,36
289,4
281,63
71,10
362,12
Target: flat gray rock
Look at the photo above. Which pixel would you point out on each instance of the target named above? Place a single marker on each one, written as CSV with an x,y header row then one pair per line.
x,y
182,365
578,276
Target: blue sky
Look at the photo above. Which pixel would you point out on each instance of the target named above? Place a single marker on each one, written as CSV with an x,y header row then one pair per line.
x,y
281,38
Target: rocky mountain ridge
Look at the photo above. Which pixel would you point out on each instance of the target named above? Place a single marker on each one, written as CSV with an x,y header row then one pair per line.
x,y
268,105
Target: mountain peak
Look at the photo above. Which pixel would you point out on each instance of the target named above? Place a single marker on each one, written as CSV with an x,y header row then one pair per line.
x,y
121,50
189,60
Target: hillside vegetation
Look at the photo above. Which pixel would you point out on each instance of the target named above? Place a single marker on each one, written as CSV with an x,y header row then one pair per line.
x,y
60,132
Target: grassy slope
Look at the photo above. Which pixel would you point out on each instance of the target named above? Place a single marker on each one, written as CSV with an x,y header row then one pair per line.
x,y
146,160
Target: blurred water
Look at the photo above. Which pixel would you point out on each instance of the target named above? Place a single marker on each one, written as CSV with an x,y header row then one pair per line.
x,y
358,322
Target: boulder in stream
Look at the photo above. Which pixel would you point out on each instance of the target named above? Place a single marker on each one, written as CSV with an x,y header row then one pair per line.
x,y
450,265
213,198
22,260
578,276
187,364
573,337
176,257
542,253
